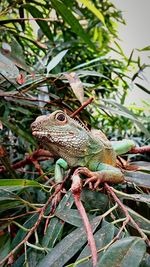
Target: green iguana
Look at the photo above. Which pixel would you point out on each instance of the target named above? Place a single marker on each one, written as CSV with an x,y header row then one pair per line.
x,y
90,151
78,147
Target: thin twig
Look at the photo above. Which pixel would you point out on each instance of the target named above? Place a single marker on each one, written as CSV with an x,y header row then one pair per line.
x,y
37,154
82,107
129,218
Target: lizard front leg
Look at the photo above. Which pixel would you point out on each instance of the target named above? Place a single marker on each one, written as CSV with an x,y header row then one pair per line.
x,y
60,166
104,174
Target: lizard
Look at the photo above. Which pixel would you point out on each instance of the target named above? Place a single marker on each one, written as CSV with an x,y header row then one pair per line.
x,y
90,151
77,146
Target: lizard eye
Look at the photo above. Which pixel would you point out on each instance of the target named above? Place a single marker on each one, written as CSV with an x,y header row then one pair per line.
x,y
61,117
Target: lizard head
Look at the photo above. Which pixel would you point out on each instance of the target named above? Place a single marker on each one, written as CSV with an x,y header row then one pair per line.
x,y
61,134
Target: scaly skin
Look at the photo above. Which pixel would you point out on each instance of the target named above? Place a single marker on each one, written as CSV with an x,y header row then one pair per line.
x,y
67,138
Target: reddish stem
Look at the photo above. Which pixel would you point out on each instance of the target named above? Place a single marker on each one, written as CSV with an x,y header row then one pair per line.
x,y
82,107
129,218
41,213
140,150
76,191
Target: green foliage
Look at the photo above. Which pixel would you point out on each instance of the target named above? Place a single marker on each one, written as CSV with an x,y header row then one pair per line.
x,y
58,57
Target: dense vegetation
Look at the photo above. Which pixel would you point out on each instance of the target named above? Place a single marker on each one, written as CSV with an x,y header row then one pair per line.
x,y
57,55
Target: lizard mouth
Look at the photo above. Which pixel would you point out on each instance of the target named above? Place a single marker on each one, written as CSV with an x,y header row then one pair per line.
x,y
39,133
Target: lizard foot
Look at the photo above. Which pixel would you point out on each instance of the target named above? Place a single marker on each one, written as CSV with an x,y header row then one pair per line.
x,y
94,179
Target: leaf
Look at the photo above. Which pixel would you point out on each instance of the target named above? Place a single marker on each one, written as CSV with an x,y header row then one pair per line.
x,y
146,261
146,48
7,68
139,178
102,238
68,17
93,9
4,245
135,197
36,13
72,217
143,88
91,73
18,182
124,253
67,247
131,114
89,62
130,58
94,199
10,203
142,222
53,233
19,131
76,85
55,226
17,55
55,60
21,233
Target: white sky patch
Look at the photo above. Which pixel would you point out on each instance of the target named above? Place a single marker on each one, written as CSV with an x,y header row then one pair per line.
x,y
136,34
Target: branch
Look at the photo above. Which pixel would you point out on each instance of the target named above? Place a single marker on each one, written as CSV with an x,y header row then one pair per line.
x,y
39,154
128,217
141,150
76,191
82,107
41,214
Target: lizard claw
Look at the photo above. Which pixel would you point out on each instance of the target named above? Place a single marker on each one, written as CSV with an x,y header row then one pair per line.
x,y
93,182
93,178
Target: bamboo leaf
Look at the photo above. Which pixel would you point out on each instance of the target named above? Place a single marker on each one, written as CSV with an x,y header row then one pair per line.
x,y
55,60
143,88
127,252
36,13
68,17
18,182
76,85
67,247
139,178
93,9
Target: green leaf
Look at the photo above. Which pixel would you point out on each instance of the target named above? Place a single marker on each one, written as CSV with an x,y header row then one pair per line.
x,y
146,48
97,59
53,233
102,238
142,222
72,217
94,199
55,60
93,9
4,245
68,17
76,85
7,68
143,88
131,115
135,197
19,131
10,204
139,178
21,233
36,13
18,182
67,247
55,226
124,253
